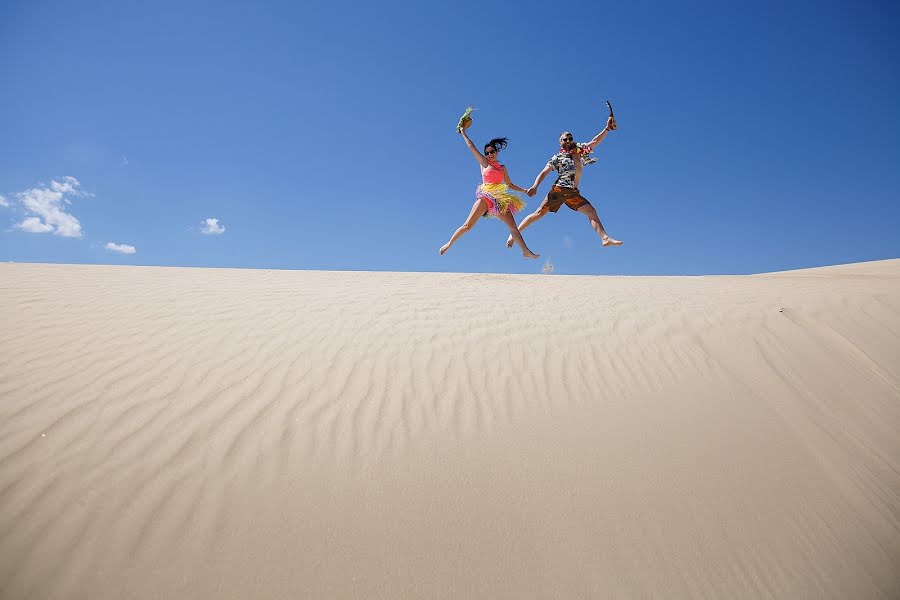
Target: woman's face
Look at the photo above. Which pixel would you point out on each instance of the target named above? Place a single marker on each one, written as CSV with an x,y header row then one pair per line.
x,y
491,153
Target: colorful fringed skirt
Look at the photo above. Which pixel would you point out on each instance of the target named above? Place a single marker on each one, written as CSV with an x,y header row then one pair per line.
x,y
499,199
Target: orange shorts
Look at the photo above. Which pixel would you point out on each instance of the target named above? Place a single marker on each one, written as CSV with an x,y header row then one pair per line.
x,y
557,196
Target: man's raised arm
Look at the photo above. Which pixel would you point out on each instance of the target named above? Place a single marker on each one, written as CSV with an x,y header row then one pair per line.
x,y
610,125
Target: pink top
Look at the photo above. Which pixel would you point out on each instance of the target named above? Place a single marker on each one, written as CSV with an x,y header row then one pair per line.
x,y
492,173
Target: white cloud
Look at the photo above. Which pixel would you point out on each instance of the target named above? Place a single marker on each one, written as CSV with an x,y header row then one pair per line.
x,y
212,227
124,161
3,201
68,185
547,268
120,248
47,208
34,225
568,242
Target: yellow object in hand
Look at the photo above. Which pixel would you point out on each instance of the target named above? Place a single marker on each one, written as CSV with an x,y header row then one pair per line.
x,y
465,121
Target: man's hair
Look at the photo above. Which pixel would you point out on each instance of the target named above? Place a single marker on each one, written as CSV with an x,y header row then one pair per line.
x,y
497,144
565,132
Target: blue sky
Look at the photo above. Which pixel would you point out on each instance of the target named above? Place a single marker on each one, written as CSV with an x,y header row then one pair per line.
x,y
752,136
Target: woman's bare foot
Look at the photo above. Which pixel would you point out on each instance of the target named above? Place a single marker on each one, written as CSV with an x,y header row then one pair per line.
x,y
446,247
608,241
530,254
509,242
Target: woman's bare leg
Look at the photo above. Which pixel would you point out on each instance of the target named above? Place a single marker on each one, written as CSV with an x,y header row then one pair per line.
x,y
477,210
517,235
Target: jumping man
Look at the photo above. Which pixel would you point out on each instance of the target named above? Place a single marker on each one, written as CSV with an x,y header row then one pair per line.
x,y
568,163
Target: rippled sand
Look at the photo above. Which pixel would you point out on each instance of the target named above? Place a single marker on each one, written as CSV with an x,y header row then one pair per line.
x,y
217,433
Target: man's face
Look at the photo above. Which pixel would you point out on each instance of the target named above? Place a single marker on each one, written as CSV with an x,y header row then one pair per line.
x,y
566,140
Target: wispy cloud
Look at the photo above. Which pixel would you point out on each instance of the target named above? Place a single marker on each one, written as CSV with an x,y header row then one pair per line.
x,y
3,201
34,225
568,242
547,268
120,248
212,227
46,208
124,161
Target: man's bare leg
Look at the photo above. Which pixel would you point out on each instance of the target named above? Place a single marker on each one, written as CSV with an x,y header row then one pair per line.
x,y
538,214
515,233
591,213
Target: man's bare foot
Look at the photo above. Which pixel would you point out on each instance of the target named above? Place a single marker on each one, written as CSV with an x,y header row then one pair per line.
x,y
509,242
608,241
530,254
446,247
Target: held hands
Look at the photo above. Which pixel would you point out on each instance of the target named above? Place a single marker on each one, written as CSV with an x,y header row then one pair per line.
x,y
531,191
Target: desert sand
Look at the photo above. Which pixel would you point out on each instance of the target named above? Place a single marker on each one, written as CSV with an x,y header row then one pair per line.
x,y
226,433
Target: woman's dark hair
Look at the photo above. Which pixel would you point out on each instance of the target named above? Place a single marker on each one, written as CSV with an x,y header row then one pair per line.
x,y
497,144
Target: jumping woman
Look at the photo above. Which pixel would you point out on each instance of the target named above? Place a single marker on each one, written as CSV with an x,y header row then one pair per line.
x,y
492,197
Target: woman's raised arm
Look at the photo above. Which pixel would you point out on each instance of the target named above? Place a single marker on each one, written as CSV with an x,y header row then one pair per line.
x,y
478,155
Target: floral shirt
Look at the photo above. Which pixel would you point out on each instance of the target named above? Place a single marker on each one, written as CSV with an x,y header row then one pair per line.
x,y
563,163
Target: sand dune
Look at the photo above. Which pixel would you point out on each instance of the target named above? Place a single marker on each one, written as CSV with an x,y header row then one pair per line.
x,y
217,433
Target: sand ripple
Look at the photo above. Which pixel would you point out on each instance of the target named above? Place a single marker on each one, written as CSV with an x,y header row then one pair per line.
x,y
234,433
